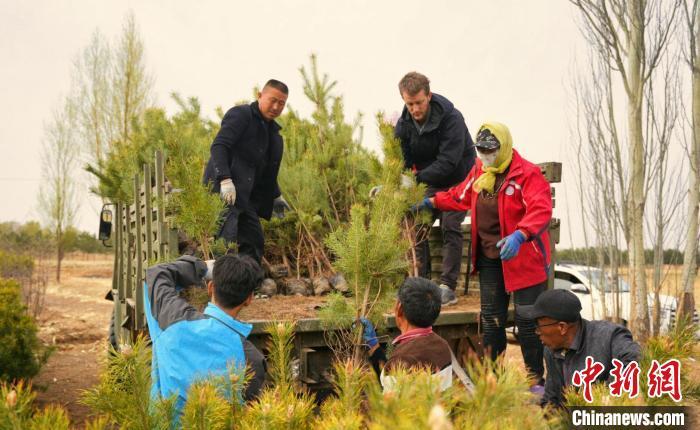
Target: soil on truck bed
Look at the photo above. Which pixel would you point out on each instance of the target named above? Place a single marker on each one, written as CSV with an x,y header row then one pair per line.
x,y
278,308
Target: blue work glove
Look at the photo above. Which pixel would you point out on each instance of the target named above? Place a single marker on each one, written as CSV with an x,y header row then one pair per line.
x,y
510,245
369,335
422,205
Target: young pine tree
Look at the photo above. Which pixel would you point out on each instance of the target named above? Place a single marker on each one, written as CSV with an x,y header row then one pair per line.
x,y
284,405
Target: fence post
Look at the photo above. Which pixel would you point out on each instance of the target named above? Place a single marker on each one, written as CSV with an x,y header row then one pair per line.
x,y
148,214
118,276
139,254
161,229
128,241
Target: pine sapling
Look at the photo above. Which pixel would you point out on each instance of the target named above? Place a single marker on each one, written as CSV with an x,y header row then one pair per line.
x,y
205,408
52,417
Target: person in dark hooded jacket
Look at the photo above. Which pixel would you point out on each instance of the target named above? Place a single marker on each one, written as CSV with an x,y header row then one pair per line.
x,y
437,147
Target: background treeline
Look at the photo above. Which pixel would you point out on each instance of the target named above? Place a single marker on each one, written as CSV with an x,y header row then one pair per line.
x,y
589,256
33,239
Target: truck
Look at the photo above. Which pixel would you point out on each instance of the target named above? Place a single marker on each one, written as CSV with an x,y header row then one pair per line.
x,y
142,233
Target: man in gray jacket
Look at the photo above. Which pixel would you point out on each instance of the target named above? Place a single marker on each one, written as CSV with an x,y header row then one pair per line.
x,y
569,339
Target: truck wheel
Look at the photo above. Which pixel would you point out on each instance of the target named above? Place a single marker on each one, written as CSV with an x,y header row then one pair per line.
x,y
113,340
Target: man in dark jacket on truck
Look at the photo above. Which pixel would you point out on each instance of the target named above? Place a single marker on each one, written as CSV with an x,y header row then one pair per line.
x,y
243,166
437,147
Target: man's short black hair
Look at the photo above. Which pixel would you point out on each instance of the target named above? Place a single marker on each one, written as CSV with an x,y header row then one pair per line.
x,y
420,300
278,85
235,277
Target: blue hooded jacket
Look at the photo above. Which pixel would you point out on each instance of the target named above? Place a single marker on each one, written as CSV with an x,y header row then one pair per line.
x,y
190,345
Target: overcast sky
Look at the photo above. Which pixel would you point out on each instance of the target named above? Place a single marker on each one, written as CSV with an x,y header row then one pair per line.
x,y
508,61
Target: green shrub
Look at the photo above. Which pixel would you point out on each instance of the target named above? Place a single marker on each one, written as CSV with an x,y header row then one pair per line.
x,y
23,238
345,410
51,418
15,405
206,408
14,265
123,392
21,352
284,405
17,411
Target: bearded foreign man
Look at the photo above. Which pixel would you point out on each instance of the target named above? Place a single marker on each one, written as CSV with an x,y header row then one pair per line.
x,y
438,149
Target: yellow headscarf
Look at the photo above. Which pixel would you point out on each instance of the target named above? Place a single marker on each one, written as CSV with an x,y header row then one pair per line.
x,y
505,155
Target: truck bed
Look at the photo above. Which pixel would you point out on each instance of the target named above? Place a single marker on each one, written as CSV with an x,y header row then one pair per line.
x,y
299,307
304,310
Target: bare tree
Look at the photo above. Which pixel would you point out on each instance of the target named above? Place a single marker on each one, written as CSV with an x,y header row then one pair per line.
x,y
111,91
692,24
57,198
92,97
599,166
632,35
667,180
131,83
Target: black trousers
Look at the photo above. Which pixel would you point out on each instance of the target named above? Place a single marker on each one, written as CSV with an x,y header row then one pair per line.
x,y
452,243
243,227
494,314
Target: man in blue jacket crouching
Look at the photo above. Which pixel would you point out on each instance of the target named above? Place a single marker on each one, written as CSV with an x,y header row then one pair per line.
x,y
190,345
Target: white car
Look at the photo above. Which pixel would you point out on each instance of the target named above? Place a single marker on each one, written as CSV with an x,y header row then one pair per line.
x,y
588,284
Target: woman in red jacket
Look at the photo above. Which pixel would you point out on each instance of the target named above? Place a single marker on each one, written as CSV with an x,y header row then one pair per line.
x,y
511,206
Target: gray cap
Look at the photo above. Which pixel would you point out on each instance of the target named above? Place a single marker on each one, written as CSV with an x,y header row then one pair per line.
x,y
487,140
560,305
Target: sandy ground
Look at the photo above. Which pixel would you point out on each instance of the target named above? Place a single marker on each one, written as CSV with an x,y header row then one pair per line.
x,y
76,319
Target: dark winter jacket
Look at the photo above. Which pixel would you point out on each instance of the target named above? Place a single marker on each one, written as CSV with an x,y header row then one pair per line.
x,y
429,351
601,340
443,153
248,149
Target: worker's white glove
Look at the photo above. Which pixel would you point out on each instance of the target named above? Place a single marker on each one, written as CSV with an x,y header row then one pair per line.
x,y
375,191
209,274
406,182
228,191
279,207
